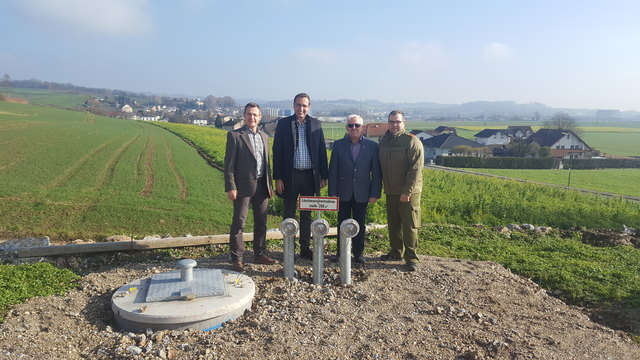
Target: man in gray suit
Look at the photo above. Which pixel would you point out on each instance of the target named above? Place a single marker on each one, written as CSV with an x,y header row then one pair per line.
x,y
247,180
354,176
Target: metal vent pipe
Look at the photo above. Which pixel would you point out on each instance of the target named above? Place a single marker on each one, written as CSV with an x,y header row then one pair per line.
x,y
289,228
319,228
348,229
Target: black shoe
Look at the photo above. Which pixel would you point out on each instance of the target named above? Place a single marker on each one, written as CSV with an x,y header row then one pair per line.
x,y
358,260
306,254
388,257
412,267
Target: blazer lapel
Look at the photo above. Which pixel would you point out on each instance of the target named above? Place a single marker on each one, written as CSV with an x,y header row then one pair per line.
x,y
244,135
294,134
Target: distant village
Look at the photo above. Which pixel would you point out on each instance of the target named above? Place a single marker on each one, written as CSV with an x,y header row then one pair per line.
x,y
518,141
224,113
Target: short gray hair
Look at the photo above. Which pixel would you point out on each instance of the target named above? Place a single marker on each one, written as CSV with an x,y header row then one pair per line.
x,y
355,116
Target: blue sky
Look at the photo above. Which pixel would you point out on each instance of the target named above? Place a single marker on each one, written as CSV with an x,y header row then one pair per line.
x,y
568,54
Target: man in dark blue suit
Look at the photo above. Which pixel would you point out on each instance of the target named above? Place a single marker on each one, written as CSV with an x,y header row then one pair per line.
x,y
354,176
299,164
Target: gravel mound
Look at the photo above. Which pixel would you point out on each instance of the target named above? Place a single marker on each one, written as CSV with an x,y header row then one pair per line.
x,y
448,309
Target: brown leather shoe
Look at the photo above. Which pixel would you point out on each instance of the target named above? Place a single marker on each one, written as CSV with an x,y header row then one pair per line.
x,y
264,259
237,266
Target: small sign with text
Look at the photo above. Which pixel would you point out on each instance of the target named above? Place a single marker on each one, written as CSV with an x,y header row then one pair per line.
x,y
318,203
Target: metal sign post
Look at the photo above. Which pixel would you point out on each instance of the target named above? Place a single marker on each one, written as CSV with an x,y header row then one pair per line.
x,y
319,228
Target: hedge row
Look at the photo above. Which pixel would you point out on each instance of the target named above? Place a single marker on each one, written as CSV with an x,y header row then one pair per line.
x,y
533,163
601,163
495,162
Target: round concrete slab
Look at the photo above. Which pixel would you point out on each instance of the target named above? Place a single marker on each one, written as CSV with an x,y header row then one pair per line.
x,y
134,313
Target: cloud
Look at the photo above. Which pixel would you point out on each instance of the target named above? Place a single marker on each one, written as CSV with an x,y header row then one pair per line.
x,y
106,17
320,56
497,52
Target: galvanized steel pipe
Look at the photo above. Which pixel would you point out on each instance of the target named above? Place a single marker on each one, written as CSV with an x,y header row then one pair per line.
x,y
289,229
186,269
319,228
348,229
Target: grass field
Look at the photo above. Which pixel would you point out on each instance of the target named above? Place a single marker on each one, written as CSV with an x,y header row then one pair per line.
x,y
69,175
47,97
66,174
616,181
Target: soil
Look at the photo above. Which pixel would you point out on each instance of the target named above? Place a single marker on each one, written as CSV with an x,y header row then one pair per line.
x,y
448,309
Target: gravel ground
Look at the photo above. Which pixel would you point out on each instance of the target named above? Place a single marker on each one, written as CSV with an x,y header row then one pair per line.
x,y
448,309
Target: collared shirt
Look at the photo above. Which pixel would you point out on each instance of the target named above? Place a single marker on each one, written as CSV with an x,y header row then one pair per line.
x,y
258,150
303,159
355,148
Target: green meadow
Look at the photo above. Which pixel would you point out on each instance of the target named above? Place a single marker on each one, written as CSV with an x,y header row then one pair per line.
x,y
67,174
47,97
615,181
73,175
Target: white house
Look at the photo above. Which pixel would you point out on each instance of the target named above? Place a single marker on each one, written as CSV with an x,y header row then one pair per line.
x,y
520,132
422,134
564,144
443,144
493,137
200,122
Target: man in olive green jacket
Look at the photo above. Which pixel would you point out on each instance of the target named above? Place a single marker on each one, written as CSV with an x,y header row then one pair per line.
x,y
401,160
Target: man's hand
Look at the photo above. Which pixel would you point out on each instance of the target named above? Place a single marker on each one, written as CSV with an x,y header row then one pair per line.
x,y
279,186
232,194
404,198
323,183
372,200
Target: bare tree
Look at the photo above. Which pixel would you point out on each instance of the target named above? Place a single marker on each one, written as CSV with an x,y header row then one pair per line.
x,y
562,120
6,80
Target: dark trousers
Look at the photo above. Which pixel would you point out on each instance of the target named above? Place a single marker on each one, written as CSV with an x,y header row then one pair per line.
x,y
258,202
356,211
302,185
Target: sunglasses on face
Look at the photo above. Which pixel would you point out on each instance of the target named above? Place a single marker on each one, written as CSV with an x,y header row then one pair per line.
x,y
353,125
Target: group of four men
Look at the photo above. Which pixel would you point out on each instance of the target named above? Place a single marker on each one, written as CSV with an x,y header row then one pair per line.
x,y
358,169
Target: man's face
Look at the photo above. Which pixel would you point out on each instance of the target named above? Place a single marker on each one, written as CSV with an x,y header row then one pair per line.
x,y
301,107
396,123
354,129
252,116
